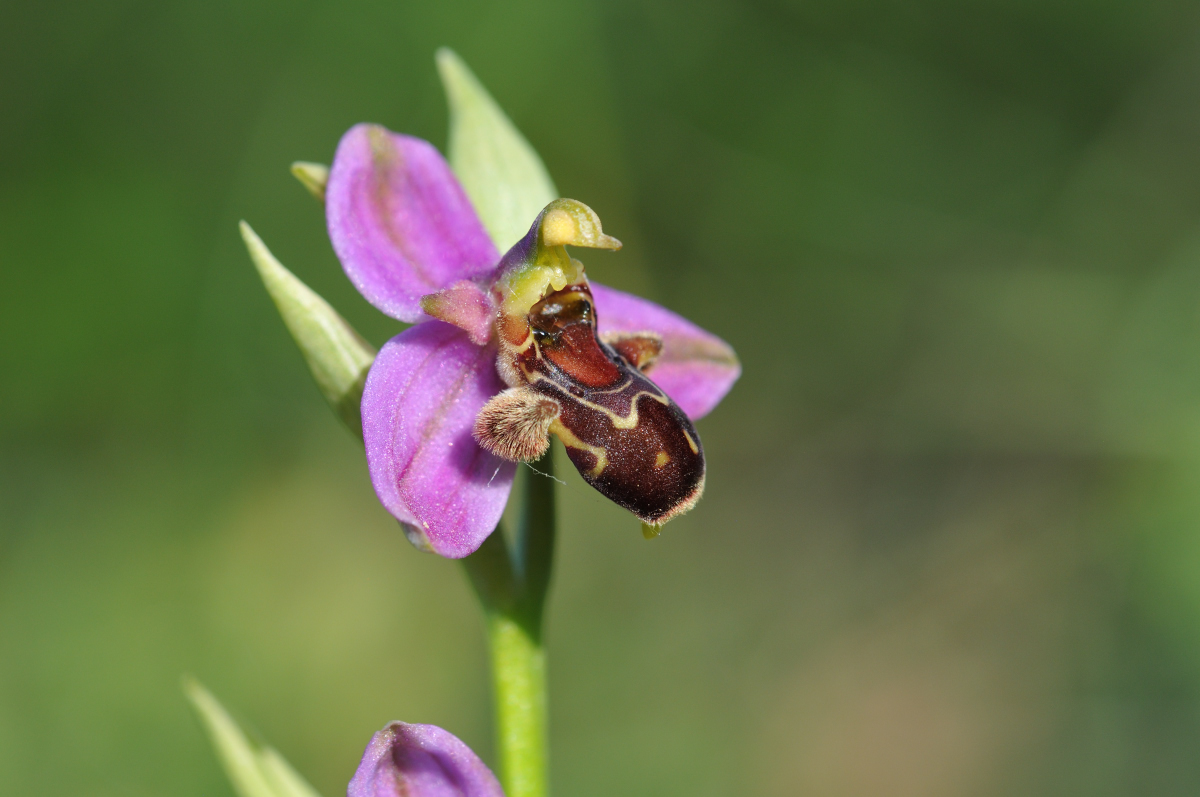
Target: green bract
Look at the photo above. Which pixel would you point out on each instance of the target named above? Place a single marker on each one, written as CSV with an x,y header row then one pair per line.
x,y
254,770
499,170
337,355
313,176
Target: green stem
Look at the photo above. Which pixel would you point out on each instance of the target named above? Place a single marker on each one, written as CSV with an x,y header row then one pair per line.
x,y
512,587
519,692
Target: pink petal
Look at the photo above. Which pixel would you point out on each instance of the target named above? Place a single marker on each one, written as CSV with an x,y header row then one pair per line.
x,y
696,368
465,305
405,760
400,222
419,405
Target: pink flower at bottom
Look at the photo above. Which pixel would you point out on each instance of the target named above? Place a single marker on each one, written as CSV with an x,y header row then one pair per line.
x,y
404,760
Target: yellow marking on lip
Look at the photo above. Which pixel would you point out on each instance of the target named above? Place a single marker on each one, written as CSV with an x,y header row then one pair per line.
x,y
659,396
661,459
691,442
568,438
629,421
525,344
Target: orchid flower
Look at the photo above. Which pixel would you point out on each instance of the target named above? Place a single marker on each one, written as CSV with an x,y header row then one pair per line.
x,y
506,351
404,760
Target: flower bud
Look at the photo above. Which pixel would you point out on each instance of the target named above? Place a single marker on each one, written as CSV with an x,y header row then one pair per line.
x,y
405,760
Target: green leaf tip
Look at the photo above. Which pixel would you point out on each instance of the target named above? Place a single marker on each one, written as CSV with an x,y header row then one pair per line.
x,y
313,176
501,173
338,356
255,770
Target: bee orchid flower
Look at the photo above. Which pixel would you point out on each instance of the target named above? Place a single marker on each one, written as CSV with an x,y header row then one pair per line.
x,y
507,350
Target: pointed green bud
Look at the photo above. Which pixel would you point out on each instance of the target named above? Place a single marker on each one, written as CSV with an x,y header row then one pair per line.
x,y
312,176
255,770
337,355
500,171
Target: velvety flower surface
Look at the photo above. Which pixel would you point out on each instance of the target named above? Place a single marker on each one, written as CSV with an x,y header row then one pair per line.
x,y
404,231
404,760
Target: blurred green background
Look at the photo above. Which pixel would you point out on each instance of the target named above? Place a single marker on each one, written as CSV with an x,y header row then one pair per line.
x,y
951,539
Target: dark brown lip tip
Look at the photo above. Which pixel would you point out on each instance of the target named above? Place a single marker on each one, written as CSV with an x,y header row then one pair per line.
x,y
684,505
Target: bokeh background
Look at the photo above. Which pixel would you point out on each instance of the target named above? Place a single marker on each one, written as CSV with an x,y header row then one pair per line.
x,y
951,539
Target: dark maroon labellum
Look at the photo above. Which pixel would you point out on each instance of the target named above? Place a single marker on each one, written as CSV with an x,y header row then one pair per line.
x,y
624,434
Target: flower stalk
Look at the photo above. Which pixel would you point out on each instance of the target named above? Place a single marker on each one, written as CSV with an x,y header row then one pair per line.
x,y
519,698
512,585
